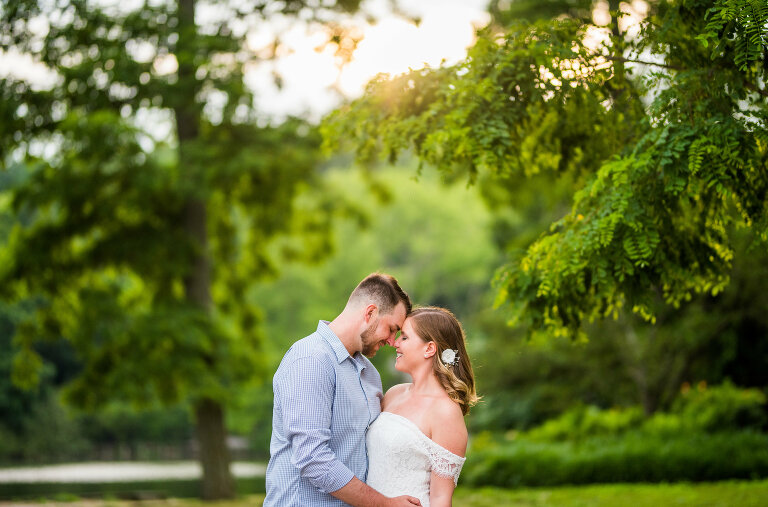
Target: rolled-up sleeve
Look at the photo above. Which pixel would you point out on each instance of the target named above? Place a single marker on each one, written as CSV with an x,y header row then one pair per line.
x,y
306,390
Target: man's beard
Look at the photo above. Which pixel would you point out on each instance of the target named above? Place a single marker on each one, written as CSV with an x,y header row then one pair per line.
x,y
368,340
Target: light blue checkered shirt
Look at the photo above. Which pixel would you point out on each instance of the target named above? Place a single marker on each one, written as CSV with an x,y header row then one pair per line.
x,y
325,400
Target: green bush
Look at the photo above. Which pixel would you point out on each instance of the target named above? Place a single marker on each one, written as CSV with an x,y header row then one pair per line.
x,y
9,445
583,422
702,409
666,424
722,407
634,457
711,434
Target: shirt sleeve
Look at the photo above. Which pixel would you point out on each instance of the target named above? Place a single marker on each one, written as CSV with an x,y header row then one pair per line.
x,y
306,389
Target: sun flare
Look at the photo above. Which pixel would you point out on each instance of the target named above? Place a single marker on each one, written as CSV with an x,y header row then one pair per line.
x,y
313,79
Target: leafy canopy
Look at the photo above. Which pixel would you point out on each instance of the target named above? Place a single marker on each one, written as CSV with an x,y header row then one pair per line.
x,y
146,111
665,167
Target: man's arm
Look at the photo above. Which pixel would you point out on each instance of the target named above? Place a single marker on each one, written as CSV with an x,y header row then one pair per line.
x,y
359,494
306,388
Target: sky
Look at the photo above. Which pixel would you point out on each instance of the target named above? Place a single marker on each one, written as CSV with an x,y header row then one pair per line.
x,y
312,81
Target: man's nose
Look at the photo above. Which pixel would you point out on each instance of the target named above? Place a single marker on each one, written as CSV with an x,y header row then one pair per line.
x,y
391,340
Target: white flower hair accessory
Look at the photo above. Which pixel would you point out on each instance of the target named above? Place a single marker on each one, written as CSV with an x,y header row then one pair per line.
x,y
450,357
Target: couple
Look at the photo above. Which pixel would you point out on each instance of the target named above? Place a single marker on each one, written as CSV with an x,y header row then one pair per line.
x,y
336,439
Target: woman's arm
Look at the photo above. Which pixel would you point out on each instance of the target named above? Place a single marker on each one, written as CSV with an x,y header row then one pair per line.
x,y
450,432
440,491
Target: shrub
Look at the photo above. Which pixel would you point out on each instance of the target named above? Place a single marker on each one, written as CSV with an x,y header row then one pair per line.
x,y
715,409
583,422
722,407
635,457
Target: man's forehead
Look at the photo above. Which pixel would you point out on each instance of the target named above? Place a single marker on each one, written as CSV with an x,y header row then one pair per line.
x,y
397,317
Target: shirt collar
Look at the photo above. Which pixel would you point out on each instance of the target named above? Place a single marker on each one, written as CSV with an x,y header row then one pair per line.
x,y
338,348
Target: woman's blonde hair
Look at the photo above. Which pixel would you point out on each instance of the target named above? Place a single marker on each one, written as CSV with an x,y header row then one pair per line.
x,y
432,323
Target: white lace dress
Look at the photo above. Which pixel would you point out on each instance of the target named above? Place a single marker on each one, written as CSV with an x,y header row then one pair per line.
x,y
401,458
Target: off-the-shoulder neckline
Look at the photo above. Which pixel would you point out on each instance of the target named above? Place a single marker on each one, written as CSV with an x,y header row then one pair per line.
x,y
418,430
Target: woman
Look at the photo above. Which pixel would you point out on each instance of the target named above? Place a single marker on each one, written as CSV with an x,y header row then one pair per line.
x,y
417,445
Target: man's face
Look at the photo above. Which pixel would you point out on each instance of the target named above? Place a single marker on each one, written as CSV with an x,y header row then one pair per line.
x,y
382,331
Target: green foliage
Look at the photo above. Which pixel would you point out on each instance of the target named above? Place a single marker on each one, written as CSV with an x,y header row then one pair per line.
x,y
50,434
136,247
39,430
625,362
506,12
114,219
119,425
701,410
746,22
658,192
516,105
634,457
584,422
723,407
149,197
655,220
37,427
586,444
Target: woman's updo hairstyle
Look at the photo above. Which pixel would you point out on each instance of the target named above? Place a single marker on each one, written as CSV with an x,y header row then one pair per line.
x,y
432,323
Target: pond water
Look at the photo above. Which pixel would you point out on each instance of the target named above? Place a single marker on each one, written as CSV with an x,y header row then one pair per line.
x,y
101,472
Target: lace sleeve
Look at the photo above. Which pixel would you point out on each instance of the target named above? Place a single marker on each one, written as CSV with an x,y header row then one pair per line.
x,y
445,464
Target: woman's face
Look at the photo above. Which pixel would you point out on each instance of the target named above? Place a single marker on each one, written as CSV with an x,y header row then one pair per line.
x,y
410,349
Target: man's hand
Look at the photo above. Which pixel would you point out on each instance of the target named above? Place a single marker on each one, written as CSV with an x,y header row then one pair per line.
x,y
403,501
359,494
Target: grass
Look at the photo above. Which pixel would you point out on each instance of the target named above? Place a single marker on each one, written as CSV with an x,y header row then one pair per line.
x,y
166,488
728,493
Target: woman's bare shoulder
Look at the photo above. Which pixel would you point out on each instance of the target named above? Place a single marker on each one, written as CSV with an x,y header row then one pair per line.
x,y
448,427
393,392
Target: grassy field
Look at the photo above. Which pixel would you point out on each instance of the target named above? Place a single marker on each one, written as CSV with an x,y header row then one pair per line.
x,y
737,493
742,494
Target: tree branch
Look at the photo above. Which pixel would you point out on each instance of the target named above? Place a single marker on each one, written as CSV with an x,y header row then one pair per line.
x,y
629,60
752,86
748,84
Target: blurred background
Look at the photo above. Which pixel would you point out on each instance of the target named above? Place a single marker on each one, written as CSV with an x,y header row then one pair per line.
x,y
172,219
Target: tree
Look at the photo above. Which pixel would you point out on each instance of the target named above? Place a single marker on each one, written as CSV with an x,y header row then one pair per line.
x,y
658,192
135,246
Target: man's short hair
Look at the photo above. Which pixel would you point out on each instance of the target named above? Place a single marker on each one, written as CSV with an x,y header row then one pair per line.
x,y
382,290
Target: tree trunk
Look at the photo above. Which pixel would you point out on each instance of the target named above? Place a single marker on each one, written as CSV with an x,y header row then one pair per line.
x,y
209,414
218,482
631,355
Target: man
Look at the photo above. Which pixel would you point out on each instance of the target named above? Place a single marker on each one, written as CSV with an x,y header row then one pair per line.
x,y
327,393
